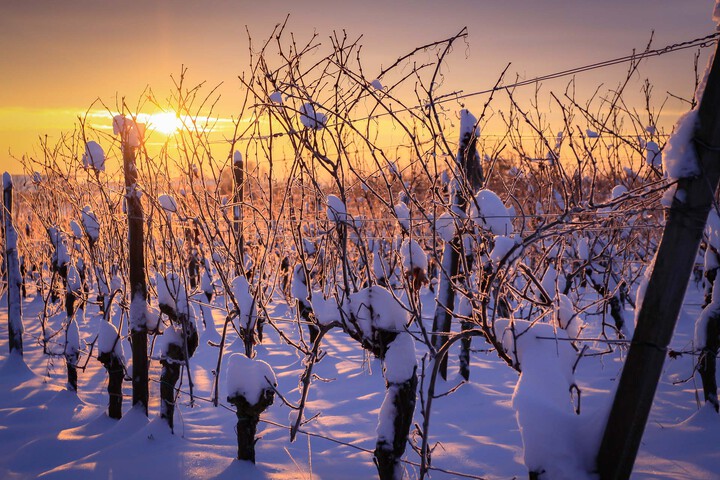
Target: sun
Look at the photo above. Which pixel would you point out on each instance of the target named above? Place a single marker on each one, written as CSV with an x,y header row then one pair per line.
x,y
166,123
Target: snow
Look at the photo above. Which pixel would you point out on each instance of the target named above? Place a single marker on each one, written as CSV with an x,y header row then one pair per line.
x,y
591,133
445,226
618,191
336,211
109,340
376,308
679,158
247,316
168,203
376,84
311,118
91,223
75,227
298,285
413,256
94,156
171,292
72,339
276,97
237,158
502,247
249,378
400,360
489,213
653,156
57,435
130,130
468,124
402,212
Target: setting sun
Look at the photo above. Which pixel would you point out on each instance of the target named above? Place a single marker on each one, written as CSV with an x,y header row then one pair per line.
x,y
166,123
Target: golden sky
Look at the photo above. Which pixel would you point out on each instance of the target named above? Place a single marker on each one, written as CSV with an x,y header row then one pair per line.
x,y
58,57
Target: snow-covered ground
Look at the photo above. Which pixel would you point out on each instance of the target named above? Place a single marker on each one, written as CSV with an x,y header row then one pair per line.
x,y
47,431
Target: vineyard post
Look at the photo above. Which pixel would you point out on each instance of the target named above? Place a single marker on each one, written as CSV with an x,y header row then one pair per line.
x,y
664,296
238,174
12,266
138,285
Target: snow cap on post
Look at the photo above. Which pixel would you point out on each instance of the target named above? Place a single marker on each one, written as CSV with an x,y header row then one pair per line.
x,y
237,157
7,181
129,130
249,378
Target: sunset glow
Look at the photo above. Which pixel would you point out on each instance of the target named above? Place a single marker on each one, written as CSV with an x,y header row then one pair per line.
x,y
166,123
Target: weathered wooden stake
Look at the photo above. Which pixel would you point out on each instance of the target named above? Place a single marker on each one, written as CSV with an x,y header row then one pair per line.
x,y
663,299
12,265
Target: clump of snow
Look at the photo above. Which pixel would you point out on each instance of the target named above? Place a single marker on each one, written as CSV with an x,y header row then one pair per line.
x,y
109,340
74,284
311,118
247,315
94,156
566,317
502,247
72,338
376,84
168,203
138,313
172,335
679,159
489,213
298,284
618,191
413,256
75,227
375,308
249,378
129,130
237,158
402,212
445,226
336,211
7,180
400,363
653,156
91,223
591,133
276,97
171,292
468,124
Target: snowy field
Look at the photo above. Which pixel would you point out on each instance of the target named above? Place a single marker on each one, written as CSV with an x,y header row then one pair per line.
x,y
49,432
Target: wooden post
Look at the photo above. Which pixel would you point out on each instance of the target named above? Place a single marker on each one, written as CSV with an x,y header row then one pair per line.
x,y
239,186
138,284
663,299
12,270
471,175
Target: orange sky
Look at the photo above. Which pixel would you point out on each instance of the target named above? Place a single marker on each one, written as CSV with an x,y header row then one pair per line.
x,y
57,57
